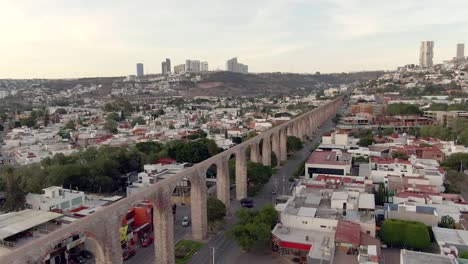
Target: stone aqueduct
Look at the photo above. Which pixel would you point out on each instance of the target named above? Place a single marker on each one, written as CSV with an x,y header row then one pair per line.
x,y
103,226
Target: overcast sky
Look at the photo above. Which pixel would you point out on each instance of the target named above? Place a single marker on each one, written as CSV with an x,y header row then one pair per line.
x,y
77,38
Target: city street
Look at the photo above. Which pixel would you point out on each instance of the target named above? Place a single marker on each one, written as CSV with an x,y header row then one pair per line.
x,y
225,249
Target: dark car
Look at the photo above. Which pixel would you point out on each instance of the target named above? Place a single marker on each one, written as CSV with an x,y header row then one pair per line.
x,y
86,254
246,202
128,254
78,259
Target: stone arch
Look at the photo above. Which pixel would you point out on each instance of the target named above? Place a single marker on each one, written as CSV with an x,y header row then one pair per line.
x,y
91,243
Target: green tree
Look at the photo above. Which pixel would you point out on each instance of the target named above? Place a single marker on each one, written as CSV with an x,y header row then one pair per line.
x,y
113,116
15,195
403,109
399,155
387,131
440,132
216,209
70,125
111,126
254,227
138,120
410,234
60,111
457,161
294,144
366,141
447,222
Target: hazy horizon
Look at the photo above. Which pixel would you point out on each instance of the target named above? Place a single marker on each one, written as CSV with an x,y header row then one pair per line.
x,y
65,39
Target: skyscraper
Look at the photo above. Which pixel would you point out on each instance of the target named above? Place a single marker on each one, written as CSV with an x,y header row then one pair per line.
x,y
163,68
140,71
233,66
168,65
179,68
426,53
204,66
192,65
460,51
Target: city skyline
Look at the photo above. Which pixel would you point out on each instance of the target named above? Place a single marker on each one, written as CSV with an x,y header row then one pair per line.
x,y
106,38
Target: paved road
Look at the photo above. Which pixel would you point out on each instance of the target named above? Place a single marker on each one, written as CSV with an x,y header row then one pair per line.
x,y
225,249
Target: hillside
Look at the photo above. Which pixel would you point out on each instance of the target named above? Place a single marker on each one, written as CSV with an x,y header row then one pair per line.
x,y
229,83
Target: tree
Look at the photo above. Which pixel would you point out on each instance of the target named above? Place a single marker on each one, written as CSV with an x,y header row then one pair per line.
x,y
366,141
15,195
405,233
254,227
457,161
138,120
216,209
447,222
294,144
387,131
113,116
70,125
60,111
399,155
46,118
111,126
403,109
440,132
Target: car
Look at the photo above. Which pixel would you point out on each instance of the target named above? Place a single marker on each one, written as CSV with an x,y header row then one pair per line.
x,y
246,202
146,241
128,254
78,259
185,221
383,246
86,254
273,192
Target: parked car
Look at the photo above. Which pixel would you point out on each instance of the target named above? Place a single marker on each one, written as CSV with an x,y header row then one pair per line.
x,y
273,192
86,254
128,254
246,202
78,259
185,221
146,241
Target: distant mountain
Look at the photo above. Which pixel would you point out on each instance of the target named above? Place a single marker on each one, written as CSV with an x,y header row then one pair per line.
x,y
237,84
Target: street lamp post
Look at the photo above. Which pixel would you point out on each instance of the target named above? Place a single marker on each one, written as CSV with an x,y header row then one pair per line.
x,y
213,255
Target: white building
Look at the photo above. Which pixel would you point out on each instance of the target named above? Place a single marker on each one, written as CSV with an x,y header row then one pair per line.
x,y
426,54
327,162
192,65
55,198
204,66
460,51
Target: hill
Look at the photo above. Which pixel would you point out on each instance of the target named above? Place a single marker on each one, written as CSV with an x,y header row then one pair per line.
x,y
236,84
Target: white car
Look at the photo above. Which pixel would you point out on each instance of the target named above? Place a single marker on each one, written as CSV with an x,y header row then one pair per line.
x,y
185,221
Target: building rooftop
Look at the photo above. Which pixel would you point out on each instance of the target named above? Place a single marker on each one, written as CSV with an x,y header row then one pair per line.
x,y
348,232
413,257
325,158
449,236
17,222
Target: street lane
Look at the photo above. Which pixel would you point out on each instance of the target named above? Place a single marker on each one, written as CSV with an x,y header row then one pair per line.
x,y
226,250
